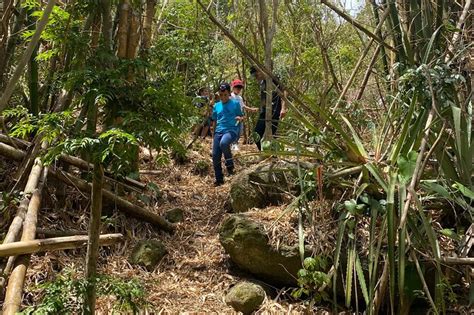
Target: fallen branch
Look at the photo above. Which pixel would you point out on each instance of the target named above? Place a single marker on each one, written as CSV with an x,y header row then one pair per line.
x,y
72,160
82,185
47,233
122,204
457,261
57,243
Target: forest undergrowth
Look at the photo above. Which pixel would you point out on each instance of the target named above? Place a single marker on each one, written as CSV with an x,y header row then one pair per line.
x,y
193,277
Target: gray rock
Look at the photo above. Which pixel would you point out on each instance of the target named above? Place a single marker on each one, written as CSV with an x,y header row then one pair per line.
x,y
263,185
148,253
245,297
175,215
248,247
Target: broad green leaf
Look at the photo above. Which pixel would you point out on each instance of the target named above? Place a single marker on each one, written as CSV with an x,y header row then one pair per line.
x,y
464,190
407,166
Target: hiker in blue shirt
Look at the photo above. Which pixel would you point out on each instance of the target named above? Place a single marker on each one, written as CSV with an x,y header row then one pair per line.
x,y
228,115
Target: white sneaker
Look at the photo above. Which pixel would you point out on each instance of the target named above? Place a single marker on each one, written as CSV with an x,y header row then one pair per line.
x,y
234,147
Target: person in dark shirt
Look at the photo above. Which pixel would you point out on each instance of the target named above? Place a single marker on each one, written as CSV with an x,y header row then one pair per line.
x,y
278,106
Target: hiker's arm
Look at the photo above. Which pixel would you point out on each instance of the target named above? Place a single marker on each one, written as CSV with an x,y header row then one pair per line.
x,y
251,109
284,110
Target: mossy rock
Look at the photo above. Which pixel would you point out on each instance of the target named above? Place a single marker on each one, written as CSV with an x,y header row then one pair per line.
x,y
148,253
202,168
245,297
175,215
248,247
264,185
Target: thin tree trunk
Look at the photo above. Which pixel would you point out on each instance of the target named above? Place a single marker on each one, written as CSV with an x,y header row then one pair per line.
x,y
95,31
26,56
33,83
123,29
93,243
7,52
105,6
268,39
7,13
133,35
147,25
379,34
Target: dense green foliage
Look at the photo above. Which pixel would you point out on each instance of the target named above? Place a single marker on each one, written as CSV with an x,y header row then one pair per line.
x,y
395,134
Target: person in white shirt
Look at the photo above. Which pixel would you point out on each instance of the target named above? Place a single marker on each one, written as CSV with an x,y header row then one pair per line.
x,y
237,86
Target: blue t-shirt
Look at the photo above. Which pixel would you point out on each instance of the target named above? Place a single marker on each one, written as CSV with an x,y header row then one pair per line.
x,y
224,115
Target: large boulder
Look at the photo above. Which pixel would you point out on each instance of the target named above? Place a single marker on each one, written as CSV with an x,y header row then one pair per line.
x,y
264,184
245,297
148,253
249,248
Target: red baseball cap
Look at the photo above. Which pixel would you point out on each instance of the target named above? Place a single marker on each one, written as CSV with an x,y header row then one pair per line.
x,y
237,82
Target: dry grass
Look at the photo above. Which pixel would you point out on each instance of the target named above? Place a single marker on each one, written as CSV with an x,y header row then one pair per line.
x,y
196,274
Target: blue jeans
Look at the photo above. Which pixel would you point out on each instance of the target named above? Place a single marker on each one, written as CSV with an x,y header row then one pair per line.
x,y
221,145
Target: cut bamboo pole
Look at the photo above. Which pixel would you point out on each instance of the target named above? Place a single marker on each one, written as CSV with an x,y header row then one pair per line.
x,y
75,161
124,205
56,243
17,278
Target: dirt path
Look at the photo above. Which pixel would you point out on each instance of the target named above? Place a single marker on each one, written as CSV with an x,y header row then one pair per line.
x,y
193,277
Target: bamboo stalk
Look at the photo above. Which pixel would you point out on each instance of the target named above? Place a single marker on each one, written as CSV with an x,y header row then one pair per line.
x,y
75,161
122,204
56,243
26,55
17,278
93,243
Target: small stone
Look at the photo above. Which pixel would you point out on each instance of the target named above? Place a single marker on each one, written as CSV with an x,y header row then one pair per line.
x,y
175,215
148,253
245,297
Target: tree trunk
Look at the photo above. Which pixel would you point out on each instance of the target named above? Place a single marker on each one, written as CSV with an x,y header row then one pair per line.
x,y
95,31
105,6
93,243
33,83
133,40
123,29
147,25
268,39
